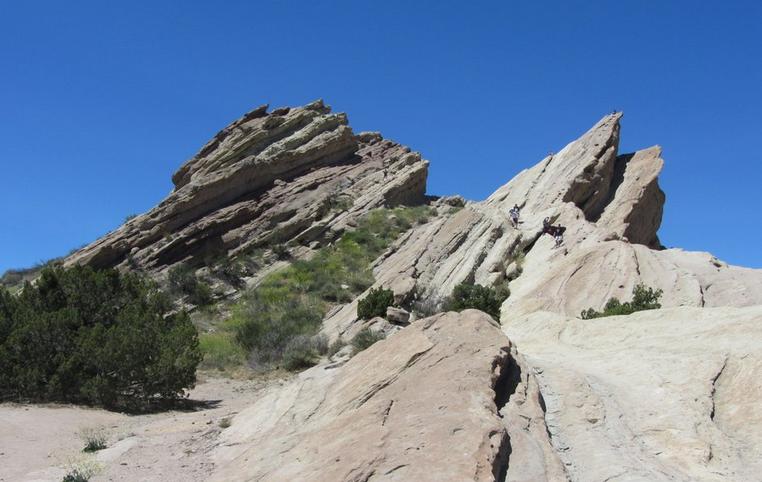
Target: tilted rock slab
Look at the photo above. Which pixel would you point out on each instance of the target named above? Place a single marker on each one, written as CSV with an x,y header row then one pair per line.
x,y
420,405
611,205
661,395
289,175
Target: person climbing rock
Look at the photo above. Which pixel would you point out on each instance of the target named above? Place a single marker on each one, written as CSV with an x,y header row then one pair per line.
x,y
559,235
545,225
514,215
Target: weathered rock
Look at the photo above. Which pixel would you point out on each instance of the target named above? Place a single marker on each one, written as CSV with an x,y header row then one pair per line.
x,y
420,405
611,205
658,395
397,316
291,175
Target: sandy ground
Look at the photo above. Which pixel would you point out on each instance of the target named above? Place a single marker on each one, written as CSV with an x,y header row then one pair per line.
x,y
44,442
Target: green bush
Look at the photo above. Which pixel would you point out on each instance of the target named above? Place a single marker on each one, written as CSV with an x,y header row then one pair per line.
x,y
375,304
99,337
643,298
182,281
365,338
467,295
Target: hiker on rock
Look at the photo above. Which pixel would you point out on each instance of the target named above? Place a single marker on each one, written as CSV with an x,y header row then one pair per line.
x,y
545,225
558,235
514,215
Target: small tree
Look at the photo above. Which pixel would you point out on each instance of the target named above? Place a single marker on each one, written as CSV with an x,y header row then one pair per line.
x,y
467,295
643,298
375,304
102,337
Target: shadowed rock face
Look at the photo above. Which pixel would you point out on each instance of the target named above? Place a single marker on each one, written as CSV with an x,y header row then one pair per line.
x,y
266,178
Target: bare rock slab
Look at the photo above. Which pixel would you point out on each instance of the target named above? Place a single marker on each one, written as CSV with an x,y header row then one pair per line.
x,y
420,405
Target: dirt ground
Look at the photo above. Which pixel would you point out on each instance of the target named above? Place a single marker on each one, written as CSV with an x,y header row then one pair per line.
x,y
44,442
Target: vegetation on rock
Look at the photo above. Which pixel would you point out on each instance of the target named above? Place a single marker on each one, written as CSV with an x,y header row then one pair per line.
x,y
643,298
97,337
182,281
290,304
375,304
484,298
365,338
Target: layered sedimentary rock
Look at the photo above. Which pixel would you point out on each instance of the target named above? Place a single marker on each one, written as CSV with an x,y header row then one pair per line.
x,y
611,206
421,405
296,175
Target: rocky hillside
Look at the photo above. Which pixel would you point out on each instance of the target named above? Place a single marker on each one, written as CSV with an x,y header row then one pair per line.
x,y
296,176
668,394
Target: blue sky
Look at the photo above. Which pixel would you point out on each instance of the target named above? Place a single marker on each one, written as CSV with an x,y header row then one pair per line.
x,y
101,101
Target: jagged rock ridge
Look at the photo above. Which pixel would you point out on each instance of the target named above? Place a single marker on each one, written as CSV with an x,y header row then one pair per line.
x,y
289,175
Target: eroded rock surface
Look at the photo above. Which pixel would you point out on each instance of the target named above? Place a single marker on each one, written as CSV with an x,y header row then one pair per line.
x,y
611,205
658,395
420,405
295,175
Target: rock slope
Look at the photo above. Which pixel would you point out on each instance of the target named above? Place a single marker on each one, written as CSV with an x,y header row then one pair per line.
x,y
421,405
291,175
658,395
611,205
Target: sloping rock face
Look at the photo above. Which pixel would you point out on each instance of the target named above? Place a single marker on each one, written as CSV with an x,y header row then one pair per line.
x,y
611,205
658,395
421,405
288,175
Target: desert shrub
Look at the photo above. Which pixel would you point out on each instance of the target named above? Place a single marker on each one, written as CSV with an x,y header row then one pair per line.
x,y
231,271
99,337
303,352
182,281
94,438
336,347
130,217
365,338
225,423
643,298
425,307
375,304
467,295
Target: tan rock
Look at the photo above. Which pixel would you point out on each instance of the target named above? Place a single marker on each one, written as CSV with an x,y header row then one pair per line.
x,y
667,394
419,405
296,175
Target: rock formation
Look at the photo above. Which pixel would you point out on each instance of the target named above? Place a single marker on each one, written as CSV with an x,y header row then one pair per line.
x,y
669,394
658,395
292,175
611,205
421,405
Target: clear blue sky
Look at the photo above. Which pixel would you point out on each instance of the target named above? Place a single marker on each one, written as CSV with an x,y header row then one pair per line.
x,y
101,101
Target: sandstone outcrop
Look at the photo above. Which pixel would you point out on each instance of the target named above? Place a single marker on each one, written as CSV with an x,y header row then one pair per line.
x,y
420,405
291,175
611,205
666,394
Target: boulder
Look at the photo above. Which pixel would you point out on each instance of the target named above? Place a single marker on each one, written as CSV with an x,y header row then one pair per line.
x,y
397,316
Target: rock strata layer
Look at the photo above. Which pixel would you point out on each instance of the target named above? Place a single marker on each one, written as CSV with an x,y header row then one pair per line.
x,y
611,205
297,175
